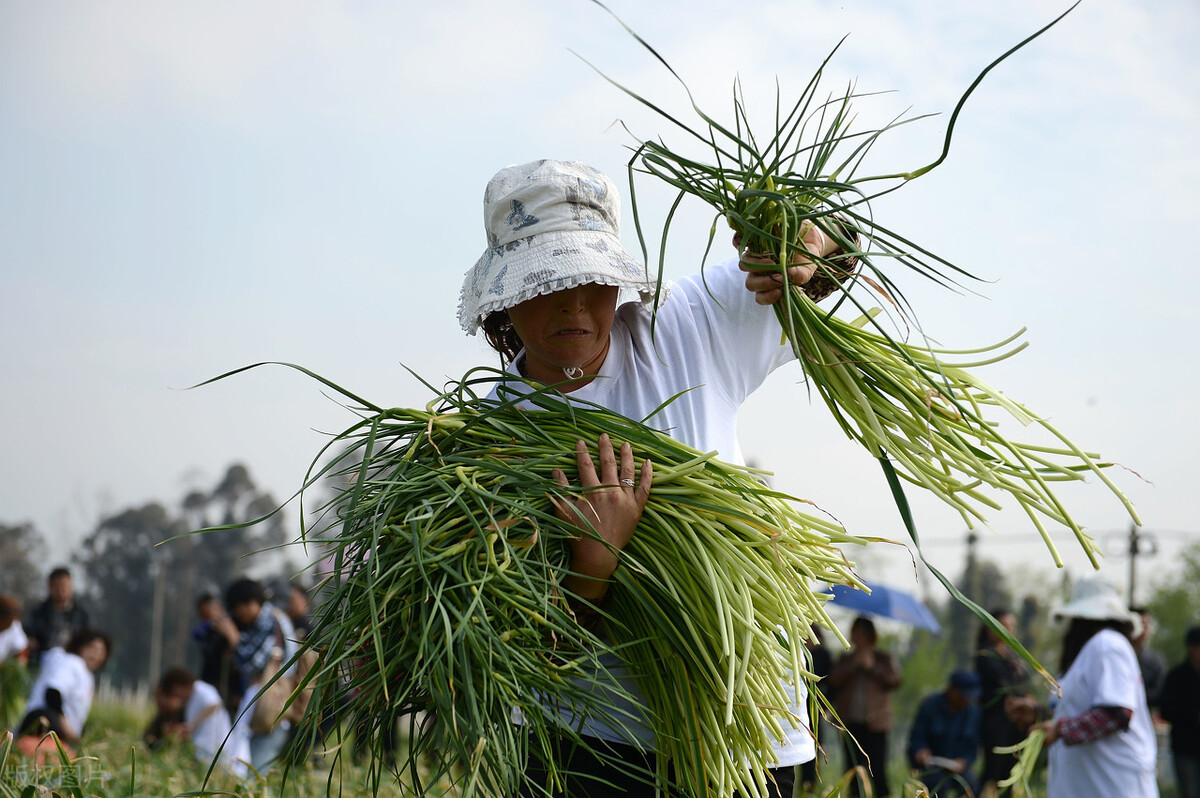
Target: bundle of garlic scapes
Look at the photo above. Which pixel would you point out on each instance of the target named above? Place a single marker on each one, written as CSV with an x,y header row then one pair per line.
x,y
445,601
918,408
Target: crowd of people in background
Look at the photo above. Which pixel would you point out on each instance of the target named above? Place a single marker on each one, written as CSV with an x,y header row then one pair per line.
x,y
238,640
64,652
243,639
1100,732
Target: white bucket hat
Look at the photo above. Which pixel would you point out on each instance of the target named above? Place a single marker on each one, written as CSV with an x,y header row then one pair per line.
x,y
551,226
1096,599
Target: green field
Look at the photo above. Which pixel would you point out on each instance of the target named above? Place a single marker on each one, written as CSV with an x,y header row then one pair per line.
x,y
113,761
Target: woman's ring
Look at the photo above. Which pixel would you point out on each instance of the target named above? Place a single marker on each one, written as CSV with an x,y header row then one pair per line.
x,y
629,483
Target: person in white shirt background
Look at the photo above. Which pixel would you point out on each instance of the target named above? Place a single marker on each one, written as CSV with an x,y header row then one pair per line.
x,y
14,643
61,697
1101,739
196,713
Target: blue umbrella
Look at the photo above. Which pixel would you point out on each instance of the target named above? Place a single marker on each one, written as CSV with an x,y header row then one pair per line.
x,y
886,602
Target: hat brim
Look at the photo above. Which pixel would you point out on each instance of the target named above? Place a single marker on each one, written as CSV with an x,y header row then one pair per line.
x,y
508,275
1095,608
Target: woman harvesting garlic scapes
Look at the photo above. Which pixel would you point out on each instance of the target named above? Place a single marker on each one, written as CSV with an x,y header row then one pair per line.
x,y
545,293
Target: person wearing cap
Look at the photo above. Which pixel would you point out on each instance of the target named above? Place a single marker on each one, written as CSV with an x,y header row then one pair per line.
x,y
1181,708
1101,740
547,293
944,738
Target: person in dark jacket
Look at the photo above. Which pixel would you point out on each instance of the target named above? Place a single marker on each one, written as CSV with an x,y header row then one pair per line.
x,y
1002,676
944,739
52,623
213,634
1181,708
1150,660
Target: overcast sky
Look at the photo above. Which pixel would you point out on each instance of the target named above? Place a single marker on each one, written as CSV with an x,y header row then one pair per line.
x,y
186,188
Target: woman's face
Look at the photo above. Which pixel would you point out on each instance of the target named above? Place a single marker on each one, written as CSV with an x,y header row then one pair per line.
x,y
565,330
94,653
861,637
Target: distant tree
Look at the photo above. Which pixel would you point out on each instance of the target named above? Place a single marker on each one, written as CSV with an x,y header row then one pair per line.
x,y
983,582
122,560
325,502
1175,605
144,569
210,561
21,549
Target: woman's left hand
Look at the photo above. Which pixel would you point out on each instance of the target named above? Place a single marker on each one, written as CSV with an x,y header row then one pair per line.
x,y
610,506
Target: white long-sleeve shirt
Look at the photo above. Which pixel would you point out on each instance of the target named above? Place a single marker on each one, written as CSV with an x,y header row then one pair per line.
x,y
69,675
712,346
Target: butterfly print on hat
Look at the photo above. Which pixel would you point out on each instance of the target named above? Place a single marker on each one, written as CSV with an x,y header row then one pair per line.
x,y
518,219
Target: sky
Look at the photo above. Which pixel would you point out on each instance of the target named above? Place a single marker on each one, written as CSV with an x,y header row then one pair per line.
x,y
187,188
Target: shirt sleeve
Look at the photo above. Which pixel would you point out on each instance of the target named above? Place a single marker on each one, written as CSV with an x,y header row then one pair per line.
x,y
1095,724
918,735
886,670
991,674
54,700
743,336
204,695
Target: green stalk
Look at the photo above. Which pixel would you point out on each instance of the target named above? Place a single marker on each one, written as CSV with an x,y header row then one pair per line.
x,y
446,595
919,409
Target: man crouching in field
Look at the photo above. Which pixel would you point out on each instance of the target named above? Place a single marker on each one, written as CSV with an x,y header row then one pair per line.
x,y
192,710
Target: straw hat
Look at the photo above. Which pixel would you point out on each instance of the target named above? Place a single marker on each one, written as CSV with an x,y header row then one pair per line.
x,y
551,226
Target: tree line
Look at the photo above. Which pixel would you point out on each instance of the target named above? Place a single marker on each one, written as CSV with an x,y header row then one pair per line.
x,y
140,570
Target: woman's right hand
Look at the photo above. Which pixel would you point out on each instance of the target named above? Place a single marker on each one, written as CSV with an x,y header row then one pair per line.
x,y
767,284
1050,727
610,508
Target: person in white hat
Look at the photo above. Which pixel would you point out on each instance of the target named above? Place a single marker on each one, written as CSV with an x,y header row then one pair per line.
x,y
546,294
1101,739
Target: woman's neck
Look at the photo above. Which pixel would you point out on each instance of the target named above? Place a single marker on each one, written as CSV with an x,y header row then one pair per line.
x,y
564,378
